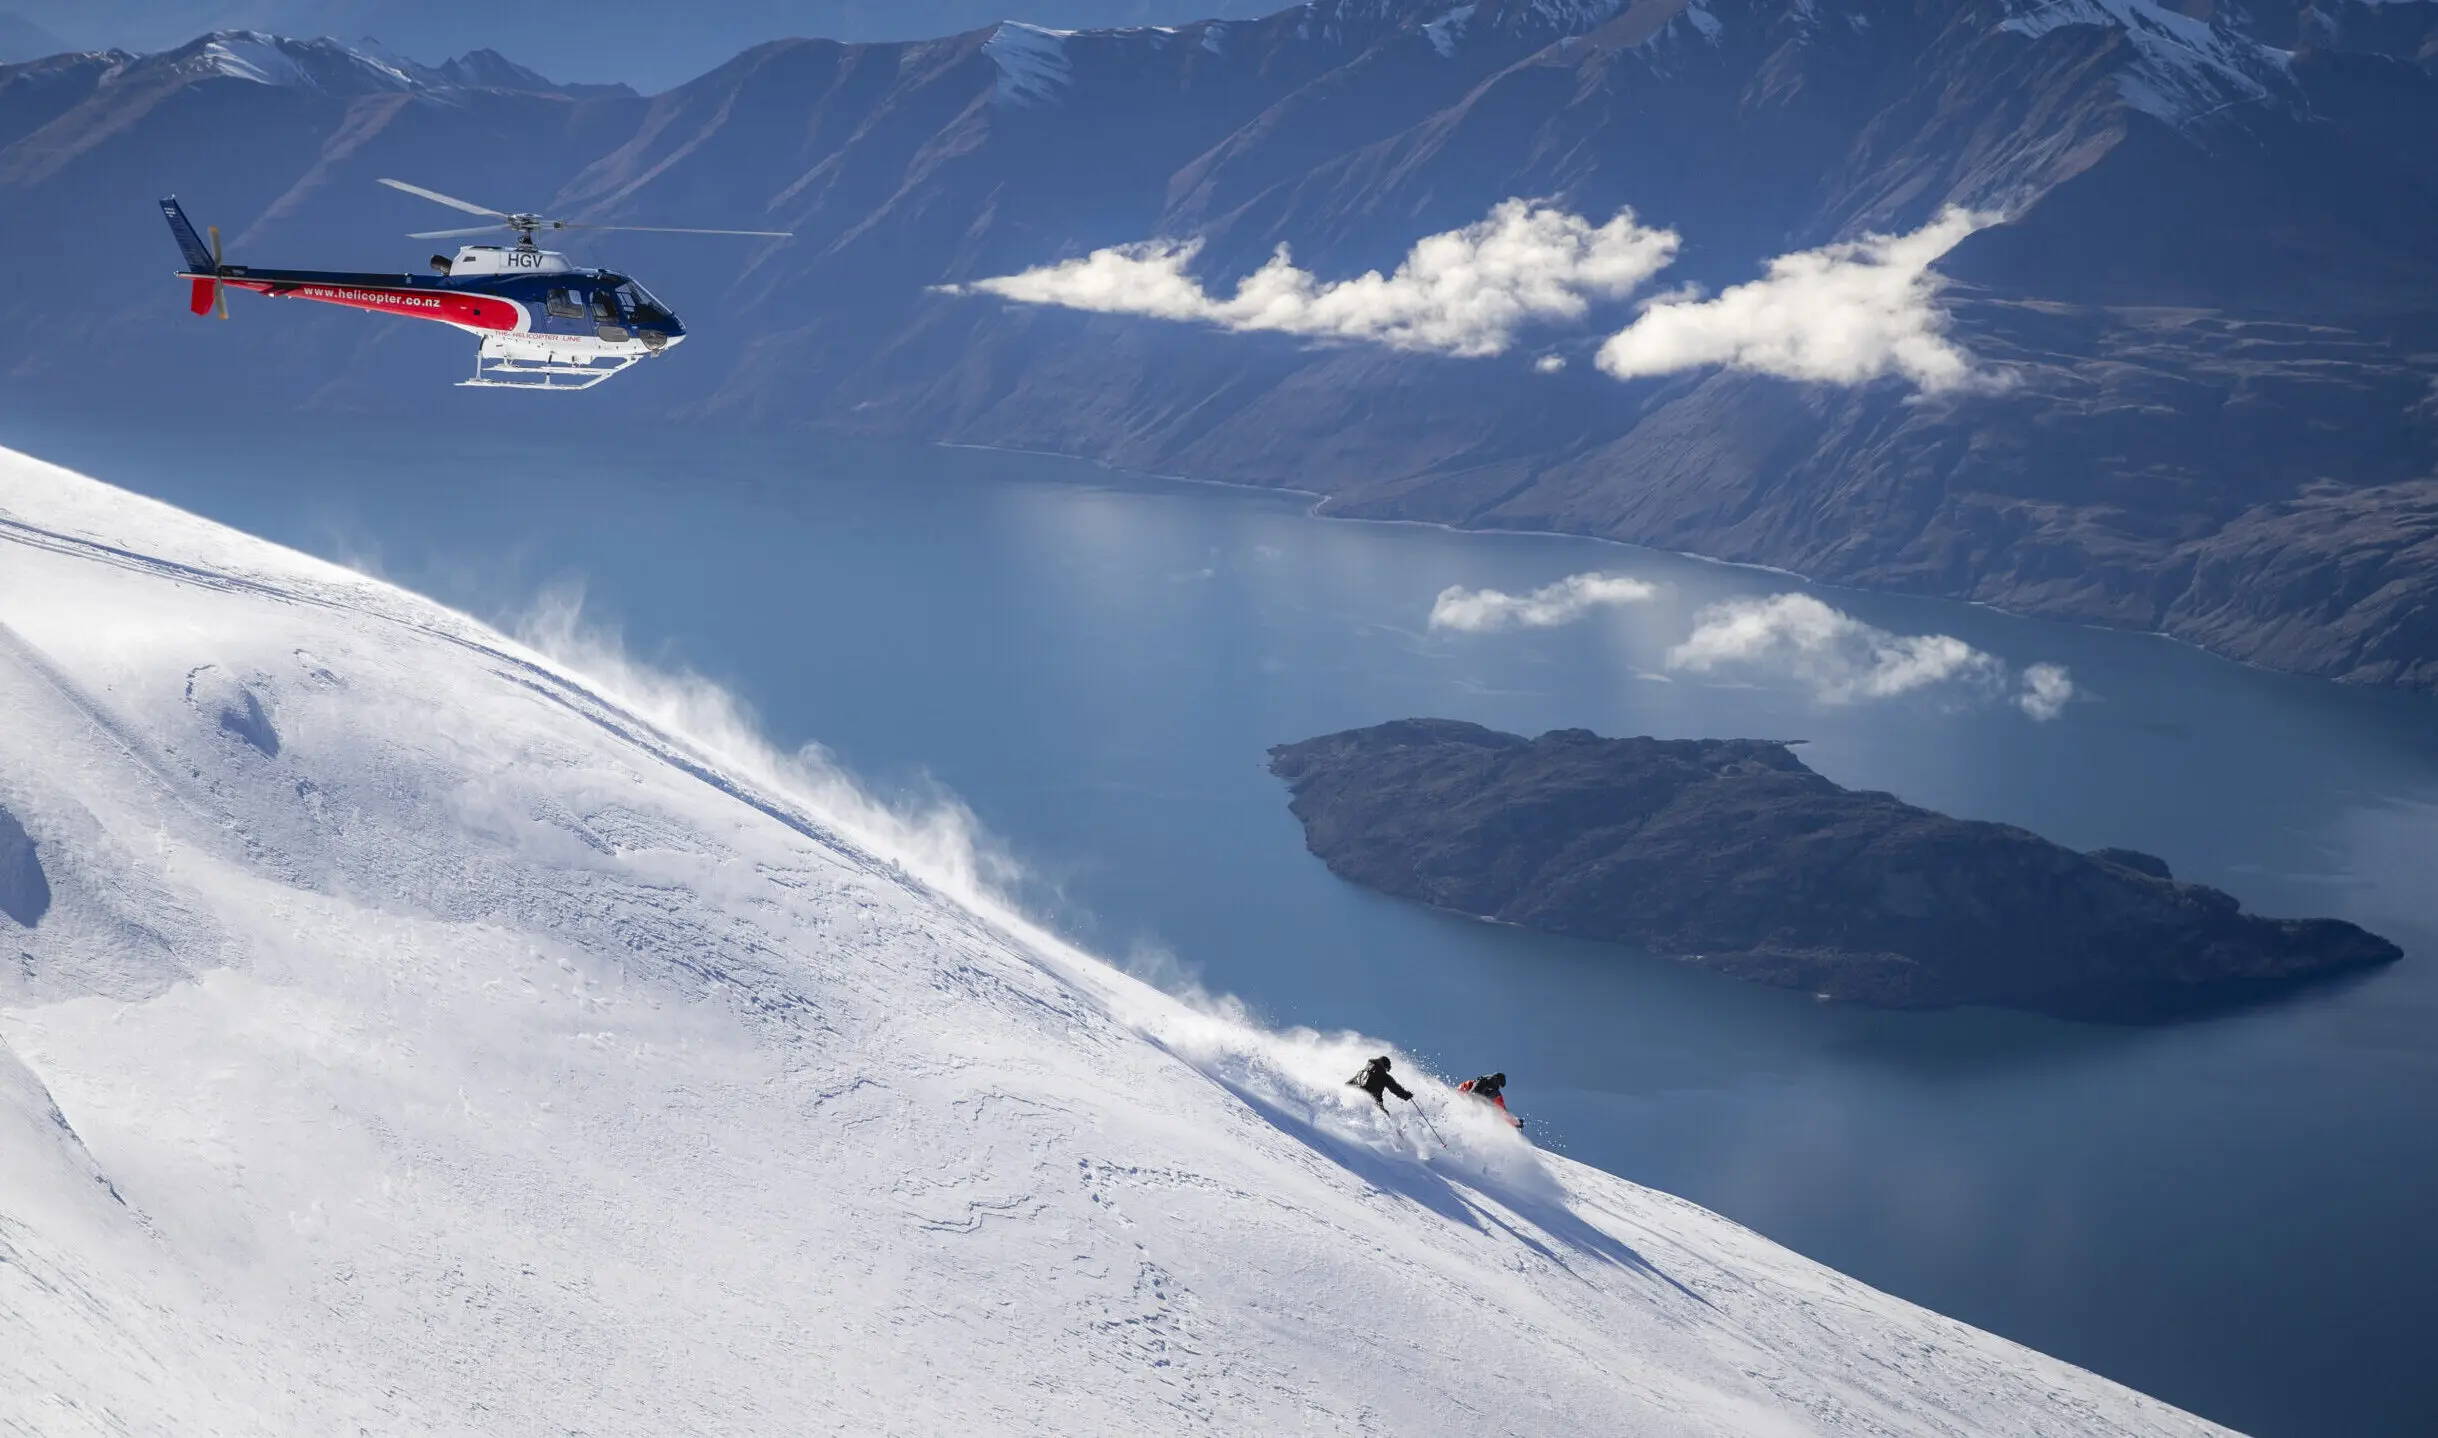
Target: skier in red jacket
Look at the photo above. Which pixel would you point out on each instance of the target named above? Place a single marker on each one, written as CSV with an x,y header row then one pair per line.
x,y
1494,1088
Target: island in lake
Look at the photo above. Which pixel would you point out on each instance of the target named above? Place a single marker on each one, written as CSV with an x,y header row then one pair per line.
x,y
1733,855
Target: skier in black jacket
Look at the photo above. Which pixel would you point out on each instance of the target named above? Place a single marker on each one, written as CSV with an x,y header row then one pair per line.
x,y
1374,1080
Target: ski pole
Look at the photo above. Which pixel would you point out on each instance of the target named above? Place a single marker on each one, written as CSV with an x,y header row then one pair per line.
x,y
1426,1123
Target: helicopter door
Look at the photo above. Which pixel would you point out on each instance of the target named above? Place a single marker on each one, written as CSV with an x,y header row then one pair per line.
x,y
565,304
608,322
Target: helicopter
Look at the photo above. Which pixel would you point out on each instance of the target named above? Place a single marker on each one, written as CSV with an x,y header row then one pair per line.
x,y
545,324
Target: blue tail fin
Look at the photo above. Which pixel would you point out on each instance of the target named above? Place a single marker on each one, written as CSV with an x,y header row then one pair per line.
x,y
198,258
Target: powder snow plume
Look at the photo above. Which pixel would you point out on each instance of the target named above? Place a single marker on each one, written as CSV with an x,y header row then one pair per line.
x,y
1296,1075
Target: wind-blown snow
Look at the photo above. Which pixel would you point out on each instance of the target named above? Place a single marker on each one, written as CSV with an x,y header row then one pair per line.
x,y
521,1046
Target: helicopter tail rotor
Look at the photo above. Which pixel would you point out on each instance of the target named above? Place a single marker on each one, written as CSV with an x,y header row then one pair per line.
x,y
220,294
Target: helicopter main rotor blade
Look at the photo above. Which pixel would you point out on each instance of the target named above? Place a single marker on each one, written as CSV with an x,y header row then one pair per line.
x,y
458,234
449,200
677,230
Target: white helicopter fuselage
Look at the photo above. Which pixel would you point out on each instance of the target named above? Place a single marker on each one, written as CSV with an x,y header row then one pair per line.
x,y
567,320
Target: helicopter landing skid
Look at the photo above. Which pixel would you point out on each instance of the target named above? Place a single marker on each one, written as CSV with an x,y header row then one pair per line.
x,y
503,372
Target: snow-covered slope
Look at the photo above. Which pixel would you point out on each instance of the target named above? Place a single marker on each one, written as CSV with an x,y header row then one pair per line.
x,y
419,1035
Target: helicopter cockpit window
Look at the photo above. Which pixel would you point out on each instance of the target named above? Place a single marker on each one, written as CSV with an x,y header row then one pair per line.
x,y
565,304
605,307
639,301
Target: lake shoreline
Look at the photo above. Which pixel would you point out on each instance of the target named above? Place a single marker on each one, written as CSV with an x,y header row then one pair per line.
x,y
1318,509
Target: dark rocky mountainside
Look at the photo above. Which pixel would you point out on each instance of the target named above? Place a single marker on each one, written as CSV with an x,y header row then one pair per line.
x,y
2215,295
1733,855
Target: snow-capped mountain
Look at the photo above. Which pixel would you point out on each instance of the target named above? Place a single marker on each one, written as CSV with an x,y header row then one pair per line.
x,y
649,44
323,66
401,1030
271,60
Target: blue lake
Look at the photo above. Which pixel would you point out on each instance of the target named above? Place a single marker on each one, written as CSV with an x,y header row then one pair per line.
x,y
2232,1213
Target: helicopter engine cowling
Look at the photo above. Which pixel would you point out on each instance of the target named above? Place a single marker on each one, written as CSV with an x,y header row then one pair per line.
x,y
478,260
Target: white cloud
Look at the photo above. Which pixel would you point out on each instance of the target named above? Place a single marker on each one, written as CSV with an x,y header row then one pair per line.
x,y
1464,292
1843,314
1842,659
1482,611
2047,690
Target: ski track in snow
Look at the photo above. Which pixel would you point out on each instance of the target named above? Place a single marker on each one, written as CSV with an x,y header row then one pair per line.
x,y
425,1038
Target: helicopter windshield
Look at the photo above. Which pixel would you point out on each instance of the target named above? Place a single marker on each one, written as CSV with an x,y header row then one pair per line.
x,y
639,302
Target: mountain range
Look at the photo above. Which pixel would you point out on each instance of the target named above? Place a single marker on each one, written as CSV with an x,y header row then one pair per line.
x,y
2199,283
646,43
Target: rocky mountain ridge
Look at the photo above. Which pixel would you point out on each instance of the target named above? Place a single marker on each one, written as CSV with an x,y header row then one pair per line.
x,y
321,66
